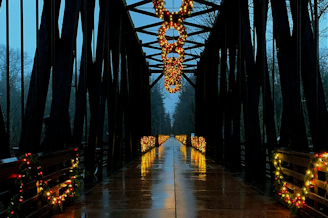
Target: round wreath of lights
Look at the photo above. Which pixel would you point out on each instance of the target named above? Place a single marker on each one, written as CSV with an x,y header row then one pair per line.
x,y
297,199
163,14
169,47
173,66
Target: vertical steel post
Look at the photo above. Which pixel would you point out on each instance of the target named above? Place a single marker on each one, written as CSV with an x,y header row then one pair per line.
x,y
316,51
85,45
7,69
22,65
299,65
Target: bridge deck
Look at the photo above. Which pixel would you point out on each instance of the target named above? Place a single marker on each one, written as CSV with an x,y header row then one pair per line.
x,y
174,181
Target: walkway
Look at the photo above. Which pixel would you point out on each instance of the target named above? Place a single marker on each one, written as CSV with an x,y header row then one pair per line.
x,y
174,181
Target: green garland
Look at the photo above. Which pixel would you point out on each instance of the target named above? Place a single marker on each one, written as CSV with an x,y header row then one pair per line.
x,y
296,200
29,170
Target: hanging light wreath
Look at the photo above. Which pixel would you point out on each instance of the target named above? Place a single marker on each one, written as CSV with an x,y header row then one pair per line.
x,y
163,14
172,66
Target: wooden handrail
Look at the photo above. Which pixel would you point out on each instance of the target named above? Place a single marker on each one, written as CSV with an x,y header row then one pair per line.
x,y
56,168
295,166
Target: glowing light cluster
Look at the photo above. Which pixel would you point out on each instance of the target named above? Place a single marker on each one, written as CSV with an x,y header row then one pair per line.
x,y
199,160
72,186
163,14
147,143
31,169
162,139
199,143
296,199
182,139
146,162
173,66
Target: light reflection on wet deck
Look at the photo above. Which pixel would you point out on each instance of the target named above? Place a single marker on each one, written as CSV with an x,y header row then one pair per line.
x,y
174,181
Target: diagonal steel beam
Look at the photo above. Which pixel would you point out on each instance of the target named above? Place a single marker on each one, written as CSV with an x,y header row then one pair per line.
x,y
152,55
147,32
129,7
196,25
63,75
143,12
192,47
152,47
148,26
207,3
37,94
192,55
189,80
190,59
198,32
149,43
155,59
158,78
204,12
196,43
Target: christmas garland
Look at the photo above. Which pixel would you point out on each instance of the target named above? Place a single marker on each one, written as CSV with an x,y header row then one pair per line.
x,y
30,170
297,199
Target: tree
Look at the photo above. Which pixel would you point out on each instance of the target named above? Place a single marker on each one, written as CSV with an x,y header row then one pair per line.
x,y
15,90
184,113
160,118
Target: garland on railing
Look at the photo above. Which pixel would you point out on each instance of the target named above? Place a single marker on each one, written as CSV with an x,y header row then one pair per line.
x,y
182,139
162,139
29,170
199,143
147,143
297,199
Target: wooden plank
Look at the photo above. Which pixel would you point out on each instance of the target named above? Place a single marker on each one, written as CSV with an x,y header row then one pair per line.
x,y
292,173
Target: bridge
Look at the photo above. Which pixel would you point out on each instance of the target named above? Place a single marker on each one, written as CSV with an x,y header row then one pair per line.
x,y
77,140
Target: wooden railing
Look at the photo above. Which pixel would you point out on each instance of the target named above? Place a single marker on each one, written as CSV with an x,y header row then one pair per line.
x,y
295,165
56,167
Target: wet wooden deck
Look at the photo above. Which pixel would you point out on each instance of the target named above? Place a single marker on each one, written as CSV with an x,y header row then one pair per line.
x,y
174,181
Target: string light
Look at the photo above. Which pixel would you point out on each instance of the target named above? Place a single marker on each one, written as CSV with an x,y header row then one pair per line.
x,y
162,139
297,199
173,66
31,169
147,143
199,143
182,139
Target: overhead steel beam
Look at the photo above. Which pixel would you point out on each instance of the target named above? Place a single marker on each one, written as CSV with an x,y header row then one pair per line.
x,y
184,71
129,7
192,47
162,65
158,78
148,26
153,47
152,55
190,59
147,32
149,43
143,12
193,42
154,59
